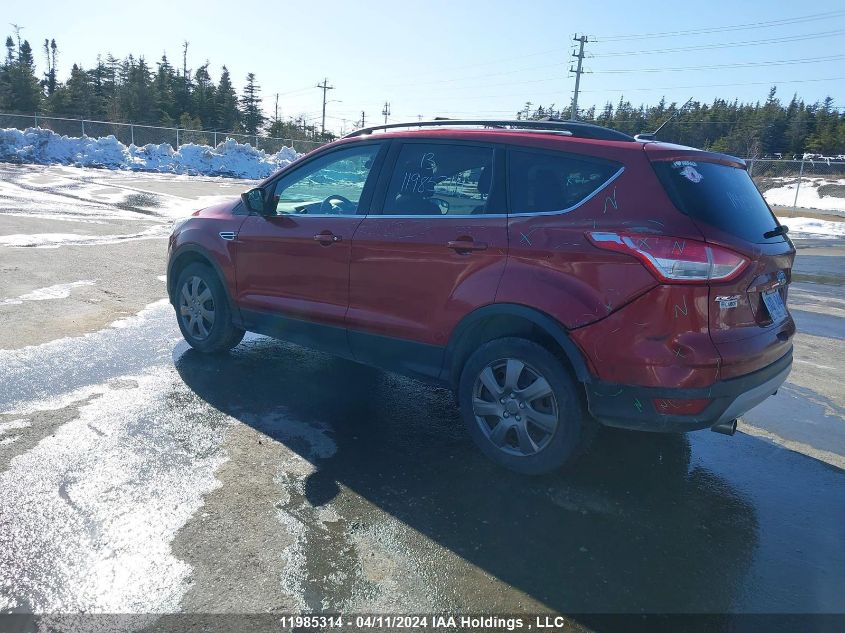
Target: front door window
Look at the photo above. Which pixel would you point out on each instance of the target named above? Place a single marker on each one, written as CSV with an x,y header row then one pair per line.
x,y
330,185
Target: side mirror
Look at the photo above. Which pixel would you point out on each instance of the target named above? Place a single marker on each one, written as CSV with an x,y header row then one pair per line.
x,y
255,200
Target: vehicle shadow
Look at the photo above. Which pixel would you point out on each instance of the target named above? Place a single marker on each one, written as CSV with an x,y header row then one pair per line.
x,y
633,528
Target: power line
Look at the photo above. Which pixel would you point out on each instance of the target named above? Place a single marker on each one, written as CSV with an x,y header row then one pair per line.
x,y
702,47
421,85
652,88
728,85
780,62
620,71
721,29
290,92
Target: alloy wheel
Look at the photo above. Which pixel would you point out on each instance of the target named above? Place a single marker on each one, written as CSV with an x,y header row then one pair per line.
x,y
196,307
515,407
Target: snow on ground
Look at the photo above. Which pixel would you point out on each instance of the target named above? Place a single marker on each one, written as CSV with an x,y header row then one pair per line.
x,y
55,240
230,158
59,291
808,194
811,228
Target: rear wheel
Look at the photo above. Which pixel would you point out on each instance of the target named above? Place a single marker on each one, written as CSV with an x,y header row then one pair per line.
x,y
521,407
202,310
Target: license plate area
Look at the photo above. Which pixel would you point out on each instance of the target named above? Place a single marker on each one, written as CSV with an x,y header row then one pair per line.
x,y
773,301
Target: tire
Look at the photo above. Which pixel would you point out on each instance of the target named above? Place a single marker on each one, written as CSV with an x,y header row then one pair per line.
x,y
545,425
202,311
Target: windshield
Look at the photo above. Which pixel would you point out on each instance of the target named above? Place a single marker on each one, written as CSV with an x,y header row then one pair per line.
x,y
723,197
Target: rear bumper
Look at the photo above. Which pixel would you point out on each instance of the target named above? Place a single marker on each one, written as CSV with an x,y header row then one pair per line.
x,y
632,407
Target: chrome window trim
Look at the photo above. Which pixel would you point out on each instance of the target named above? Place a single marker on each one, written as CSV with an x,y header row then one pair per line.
x,y
316,215
525,214
598,190
442,215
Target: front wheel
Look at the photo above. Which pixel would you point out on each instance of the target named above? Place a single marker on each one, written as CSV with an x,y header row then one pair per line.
x,y
521,407
202,310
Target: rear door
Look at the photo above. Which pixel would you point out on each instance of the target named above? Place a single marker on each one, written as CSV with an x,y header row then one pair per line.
x,y
434,252
749,321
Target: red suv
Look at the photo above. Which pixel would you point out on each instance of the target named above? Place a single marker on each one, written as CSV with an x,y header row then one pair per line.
x,y
553,274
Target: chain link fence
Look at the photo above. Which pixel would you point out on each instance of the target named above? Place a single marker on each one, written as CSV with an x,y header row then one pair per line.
x,y
810,184
139,135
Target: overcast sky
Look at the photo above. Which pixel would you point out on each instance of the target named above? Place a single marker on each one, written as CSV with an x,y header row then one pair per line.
x,y
456,58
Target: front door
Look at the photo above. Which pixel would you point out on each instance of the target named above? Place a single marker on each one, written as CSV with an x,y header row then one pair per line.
x,y
293,265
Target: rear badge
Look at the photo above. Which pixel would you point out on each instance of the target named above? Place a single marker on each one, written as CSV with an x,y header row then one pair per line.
x,y
727,301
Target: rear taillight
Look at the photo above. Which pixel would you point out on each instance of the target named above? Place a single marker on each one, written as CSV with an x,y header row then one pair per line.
x,y
674,259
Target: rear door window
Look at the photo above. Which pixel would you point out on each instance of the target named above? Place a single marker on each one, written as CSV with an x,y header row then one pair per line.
x,y
441,179
544,182
719,195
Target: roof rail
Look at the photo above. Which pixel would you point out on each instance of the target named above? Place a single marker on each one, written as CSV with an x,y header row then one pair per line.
x,y
570,128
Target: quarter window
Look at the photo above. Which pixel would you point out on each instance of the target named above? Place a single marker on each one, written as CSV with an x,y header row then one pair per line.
x,y
330,185
542,182
440,179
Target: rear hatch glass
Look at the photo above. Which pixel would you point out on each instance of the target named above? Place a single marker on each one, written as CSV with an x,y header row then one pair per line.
x,y
719,195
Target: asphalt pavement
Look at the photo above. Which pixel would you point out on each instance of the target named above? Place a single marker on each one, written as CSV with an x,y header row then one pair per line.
x,y
138,476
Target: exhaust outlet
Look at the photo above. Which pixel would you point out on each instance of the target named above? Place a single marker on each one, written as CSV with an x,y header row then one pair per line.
x,y
725,428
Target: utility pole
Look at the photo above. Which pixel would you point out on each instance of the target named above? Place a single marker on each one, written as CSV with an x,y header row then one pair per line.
x,y
276,111
324,87
363,119
185,60
386,111
17,29
580,56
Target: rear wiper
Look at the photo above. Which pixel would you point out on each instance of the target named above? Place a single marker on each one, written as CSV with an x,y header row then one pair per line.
x,y
781,229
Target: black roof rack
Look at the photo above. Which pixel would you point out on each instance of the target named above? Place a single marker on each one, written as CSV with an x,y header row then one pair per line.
x,y
558,126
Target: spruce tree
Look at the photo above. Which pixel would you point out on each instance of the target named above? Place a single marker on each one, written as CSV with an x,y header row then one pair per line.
x,y
204,105
228,115
24,88
253,116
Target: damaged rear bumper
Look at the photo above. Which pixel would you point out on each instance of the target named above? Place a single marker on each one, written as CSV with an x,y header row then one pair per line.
x,y
632,407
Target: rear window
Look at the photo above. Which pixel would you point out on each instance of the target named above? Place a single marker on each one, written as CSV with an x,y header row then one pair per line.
x,y
723,197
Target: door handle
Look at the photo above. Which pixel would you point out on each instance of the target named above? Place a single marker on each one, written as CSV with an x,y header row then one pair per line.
x,y
327,238
466,246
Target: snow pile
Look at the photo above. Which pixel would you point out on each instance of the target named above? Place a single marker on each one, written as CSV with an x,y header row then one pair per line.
x,y
808,194
230,158
809,227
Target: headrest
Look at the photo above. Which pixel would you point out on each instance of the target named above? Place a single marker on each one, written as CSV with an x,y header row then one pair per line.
x,y
485,179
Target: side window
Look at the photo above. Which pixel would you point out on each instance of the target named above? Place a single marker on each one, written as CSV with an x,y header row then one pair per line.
x,y
540,182
440,179
329,185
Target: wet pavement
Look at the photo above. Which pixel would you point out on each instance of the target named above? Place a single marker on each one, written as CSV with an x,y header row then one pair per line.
x,y
138,476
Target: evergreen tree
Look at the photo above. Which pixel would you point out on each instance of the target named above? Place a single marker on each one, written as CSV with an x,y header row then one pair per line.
x,y
6,97
204,105
76,96
253,116
23,89
165,76
228,114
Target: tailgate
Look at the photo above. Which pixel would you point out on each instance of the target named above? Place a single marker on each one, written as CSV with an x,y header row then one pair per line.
x,y
749,322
